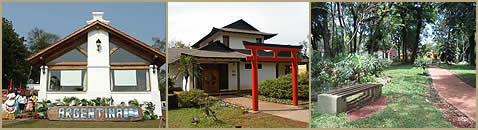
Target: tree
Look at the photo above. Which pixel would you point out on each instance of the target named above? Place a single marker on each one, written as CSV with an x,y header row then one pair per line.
x,y
305,48
159,44
37,40
181,68
178,44
459,18
320,30
447,52
15,67
356,27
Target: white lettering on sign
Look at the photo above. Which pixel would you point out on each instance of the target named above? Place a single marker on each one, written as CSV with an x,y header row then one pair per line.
x,y
110,113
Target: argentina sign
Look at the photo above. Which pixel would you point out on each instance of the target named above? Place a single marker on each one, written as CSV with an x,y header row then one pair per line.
x,y
94,113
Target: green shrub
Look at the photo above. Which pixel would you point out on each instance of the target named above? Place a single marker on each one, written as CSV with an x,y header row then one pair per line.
x,y
329,74
422,63
148,112
41,107
191,98
282,87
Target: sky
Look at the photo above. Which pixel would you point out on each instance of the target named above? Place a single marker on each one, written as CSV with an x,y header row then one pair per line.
x,y
190,21
139,20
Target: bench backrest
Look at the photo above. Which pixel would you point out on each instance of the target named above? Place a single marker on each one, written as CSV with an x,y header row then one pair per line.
x,y
354,89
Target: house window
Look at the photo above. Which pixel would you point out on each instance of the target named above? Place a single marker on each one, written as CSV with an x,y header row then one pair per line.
x,y
258,40
67,80
123,56
74,55
249,66
130,80
225,40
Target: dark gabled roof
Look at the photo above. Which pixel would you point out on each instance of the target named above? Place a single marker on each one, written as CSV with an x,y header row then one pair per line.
x,y
242,25
215,46
239,26
61,44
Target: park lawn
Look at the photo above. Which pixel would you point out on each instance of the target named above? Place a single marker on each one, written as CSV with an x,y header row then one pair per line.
x,y
407,105
465,72
228,118
36,123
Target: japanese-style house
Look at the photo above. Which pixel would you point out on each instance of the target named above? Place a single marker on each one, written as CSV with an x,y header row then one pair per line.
x,y
220,59
99,60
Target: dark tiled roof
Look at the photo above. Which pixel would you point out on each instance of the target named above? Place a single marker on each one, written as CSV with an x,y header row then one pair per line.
x,y
239,26
216,45
242,25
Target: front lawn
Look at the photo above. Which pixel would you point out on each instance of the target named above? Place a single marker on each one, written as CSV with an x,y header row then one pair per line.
x,y
227,118
36,123
407,106
465,72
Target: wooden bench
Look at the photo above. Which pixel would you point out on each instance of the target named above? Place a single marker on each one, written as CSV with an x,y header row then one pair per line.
x,y
336,101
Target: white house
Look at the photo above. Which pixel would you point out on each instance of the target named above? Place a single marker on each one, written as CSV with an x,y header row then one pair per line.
x,y
98,60
220,58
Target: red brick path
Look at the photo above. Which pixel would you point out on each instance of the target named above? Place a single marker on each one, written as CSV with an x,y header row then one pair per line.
x,y
371,108
454,91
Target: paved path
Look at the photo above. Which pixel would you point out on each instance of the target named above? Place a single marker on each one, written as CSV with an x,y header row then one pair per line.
x,y
454,91
282,110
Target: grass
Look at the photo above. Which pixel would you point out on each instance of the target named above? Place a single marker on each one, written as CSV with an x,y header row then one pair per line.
x,y
227,118
465,72
37,123
407,105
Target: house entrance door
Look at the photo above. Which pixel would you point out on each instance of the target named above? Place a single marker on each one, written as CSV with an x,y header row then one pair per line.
x,y
210,80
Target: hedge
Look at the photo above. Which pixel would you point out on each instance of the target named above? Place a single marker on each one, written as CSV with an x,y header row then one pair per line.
x,y
282,87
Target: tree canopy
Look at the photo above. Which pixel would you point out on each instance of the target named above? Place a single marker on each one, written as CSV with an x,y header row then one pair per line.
x,y
375,27
15,67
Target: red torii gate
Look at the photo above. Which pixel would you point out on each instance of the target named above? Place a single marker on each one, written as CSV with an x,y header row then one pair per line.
x,y
254,58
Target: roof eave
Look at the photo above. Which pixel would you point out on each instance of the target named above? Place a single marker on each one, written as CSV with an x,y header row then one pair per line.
x,y
85,28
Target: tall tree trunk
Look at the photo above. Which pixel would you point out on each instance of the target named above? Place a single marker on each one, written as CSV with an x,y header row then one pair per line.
x,y
341,22
417,35
326,38
359,41
404,37
354,13
333,29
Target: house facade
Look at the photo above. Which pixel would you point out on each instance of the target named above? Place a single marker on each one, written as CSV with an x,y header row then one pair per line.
x,y
220,59
100,61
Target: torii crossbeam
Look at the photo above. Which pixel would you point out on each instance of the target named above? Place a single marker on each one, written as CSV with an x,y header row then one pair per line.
x,y
254,58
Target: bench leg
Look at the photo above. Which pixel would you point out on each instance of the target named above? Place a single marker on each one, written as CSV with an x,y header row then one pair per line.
x,y
332,104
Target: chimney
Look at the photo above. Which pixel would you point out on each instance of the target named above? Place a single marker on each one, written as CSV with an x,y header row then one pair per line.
x,y
97,16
